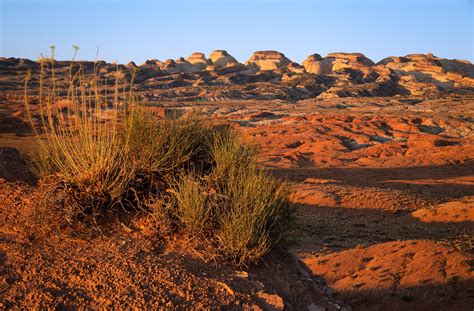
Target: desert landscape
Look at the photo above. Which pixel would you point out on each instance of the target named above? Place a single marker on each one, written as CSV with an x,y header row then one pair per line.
x,y
378,157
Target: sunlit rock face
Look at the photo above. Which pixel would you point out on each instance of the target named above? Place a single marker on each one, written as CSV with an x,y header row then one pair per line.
x,y
199,60
427,68
317,65
266,75
268,60
220,58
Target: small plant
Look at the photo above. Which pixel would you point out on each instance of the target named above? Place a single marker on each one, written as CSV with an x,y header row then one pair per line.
x,y
82,145
247,209
195,206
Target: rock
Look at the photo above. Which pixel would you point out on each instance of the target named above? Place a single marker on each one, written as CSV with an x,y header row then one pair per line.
x,y
132,65
453,211
268,60
230,68
266,75
227,288
296,68
351,58
270,302
199,60
353,67
153,62
220,58
351,61
169,66
317,65
439,72
185,66
242,274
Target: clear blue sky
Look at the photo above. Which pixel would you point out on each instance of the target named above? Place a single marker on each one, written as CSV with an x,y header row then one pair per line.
x,y
142,29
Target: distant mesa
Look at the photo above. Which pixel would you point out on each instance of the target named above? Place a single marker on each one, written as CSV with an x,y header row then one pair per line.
x,y
270,75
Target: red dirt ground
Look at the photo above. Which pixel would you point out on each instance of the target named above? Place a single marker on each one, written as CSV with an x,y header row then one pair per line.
x,y
384,188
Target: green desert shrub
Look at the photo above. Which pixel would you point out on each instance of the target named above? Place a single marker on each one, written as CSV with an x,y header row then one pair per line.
x,y
253,207
193,177
194,205
166,145
238,208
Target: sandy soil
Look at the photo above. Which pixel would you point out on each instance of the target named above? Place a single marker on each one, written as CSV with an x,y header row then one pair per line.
x,y
384,188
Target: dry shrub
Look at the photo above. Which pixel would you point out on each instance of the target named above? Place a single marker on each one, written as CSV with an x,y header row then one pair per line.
x,y
83,147
254,207
165,146
238,208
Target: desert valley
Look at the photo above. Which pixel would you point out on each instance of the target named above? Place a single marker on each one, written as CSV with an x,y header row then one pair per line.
x,y
378,158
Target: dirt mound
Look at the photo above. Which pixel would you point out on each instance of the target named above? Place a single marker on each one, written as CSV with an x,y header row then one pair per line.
x,y
126,266
356,140
13,166
408,275
454,211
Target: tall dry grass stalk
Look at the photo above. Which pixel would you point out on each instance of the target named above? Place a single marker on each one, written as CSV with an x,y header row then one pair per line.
x,y
84,143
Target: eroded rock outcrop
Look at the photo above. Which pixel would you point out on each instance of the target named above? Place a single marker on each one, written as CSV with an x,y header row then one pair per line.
x,y
268,60
426,68
220,58
266,75
315,64
199,60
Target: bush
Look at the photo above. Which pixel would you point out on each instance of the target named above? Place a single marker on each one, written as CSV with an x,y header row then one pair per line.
x,y
238,208
193,177
166,146
195,207
83,145
254,207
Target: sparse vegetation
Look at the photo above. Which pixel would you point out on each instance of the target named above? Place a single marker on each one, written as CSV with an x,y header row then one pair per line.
x,y
104,151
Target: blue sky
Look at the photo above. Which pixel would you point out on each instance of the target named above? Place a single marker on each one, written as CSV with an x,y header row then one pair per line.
x,y
145,29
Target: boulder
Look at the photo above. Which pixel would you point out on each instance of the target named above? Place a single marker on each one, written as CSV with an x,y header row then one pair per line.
x,y
132,65
199,60
338,62
428,64
169,66
152,62
220,58
317,65
351,58
351,61
268,60
296,68
185,66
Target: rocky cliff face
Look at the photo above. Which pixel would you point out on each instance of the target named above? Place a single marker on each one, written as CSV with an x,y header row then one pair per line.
x,y
266,75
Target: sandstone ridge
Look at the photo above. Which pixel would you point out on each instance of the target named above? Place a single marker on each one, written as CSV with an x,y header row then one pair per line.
x,y
271,75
